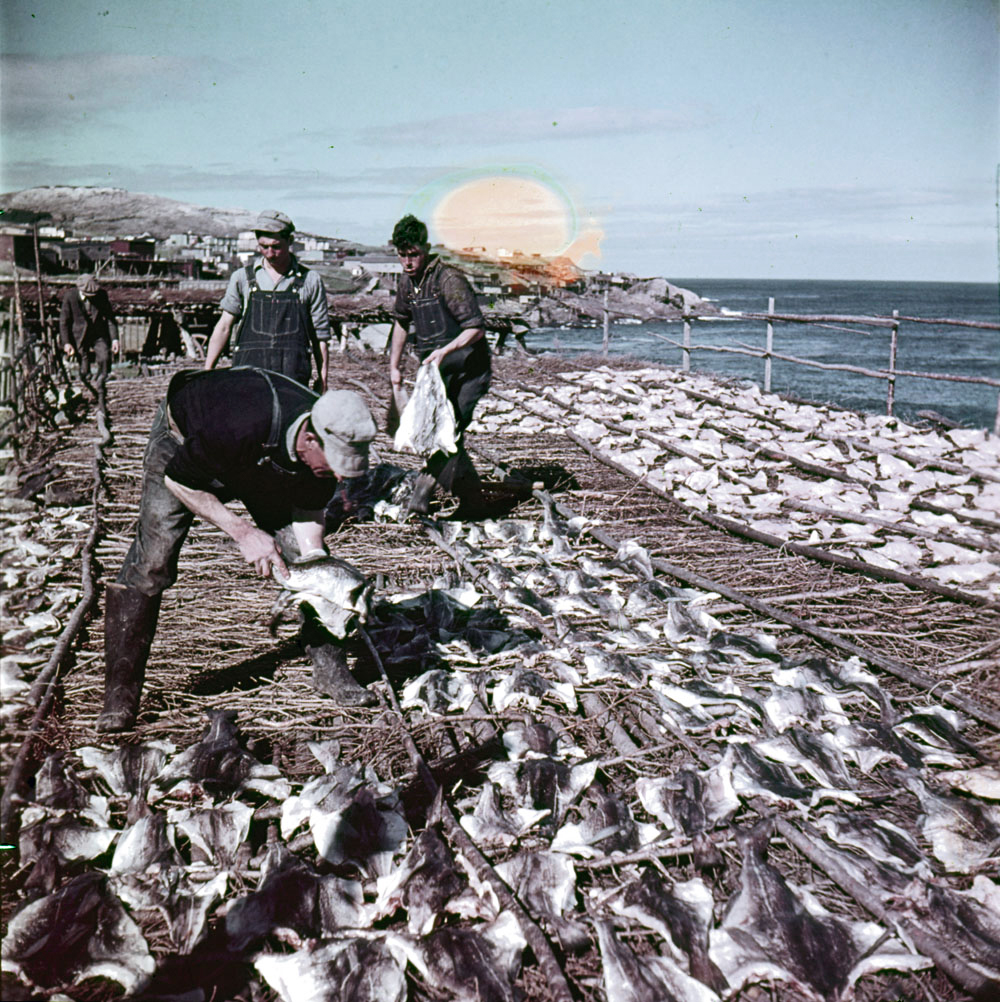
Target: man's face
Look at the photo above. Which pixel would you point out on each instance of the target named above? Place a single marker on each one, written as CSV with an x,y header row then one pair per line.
x,y
310,451
413,259
275,250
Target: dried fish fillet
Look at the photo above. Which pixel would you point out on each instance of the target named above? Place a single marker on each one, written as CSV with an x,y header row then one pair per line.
x,y
963,834
423,884
219,763
427,424
128,769
771,930
340,970
81,931
217,833
292,896
627,978
682,914
338,593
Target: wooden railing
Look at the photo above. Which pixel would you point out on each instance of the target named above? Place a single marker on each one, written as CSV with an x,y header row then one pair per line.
x,y
835,321
33,377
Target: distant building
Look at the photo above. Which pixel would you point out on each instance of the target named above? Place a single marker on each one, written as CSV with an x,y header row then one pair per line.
x,y
133,248
17,246
377,264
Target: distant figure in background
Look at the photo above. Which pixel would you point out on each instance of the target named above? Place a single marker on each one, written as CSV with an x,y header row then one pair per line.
x,y
448,331
87,327
164,335
284,319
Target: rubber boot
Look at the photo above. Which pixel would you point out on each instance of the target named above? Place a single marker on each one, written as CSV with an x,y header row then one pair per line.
x,y
129,625
333,678
423,491
459,477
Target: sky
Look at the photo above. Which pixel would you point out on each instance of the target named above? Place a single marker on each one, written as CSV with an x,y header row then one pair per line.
x,y
815,139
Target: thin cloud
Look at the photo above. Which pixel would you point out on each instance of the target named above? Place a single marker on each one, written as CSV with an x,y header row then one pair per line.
x,y
170,179
532,125
52,92
835,205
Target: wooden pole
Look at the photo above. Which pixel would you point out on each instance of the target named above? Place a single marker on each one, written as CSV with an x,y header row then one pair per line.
x,y
891,378
874,373
686,352
38,283
769,345
607,327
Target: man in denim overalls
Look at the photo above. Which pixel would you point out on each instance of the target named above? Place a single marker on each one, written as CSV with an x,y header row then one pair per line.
x,y
448,331
284,320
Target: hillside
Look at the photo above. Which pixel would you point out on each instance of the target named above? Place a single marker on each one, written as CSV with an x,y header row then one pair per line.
x,y
106,212
102,212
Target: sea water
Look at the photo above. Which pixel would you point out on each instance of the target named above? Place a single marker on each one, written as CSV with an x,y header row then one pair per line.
x,y
921,347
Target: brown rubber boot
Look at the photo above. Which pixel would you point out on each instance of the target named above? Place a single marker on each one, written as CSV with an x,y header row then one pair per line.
x,y
333,678
129,625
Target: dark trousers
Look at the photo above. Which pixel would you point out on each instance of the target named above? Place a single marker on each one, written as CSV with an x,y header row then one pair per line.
x,y
100,352
466,374
151,563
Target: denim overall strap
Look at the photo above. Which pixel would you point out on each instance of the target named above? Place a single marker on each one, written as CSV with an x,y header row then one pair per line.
x,y
276,331
274,437
433,324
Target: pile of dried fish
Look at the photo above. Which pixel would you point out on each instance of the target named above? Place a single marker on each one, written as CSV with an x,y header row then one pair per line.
x,y
323,885
868,487
39,551
686,812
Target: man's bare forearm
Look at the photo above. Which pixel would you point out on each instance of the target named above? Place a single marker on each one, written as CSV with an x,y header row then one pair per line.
x,y
210,508
258,547
324,365
462,340
399,334
308,528
220,337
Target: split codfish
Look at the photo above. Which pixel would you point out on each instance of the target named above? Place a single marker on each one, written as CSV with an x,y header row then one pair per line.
x,y
293,896
353,968
337,593
629,978
80,931
682,915
771,930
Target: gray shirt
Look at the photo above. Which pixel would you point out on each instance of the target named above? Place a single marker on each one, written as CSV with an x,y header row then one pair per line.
x,y
312,293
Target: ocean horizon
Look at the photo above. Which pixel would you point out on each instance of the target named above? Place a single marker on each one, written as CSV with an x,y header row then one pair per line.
x,y
921,347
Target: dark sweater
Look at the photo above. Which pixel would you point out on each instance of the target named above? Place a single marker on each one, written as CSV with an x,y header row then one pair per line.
x,y
225,416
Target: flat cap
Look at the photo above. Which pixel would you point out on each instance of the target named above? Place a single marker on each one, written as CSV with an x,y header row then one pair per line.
x,y
273,221
345,427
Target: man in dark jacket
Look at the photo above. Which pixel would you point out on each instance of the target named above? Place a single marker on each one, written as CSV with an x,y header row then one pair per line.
x,y
448,331
87,326
238,434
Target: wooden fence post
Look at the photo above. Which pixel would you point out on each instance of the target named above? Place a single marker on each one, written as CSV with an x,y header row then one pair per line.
x,y
686,355
891,378
7,363
769,346
607,329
